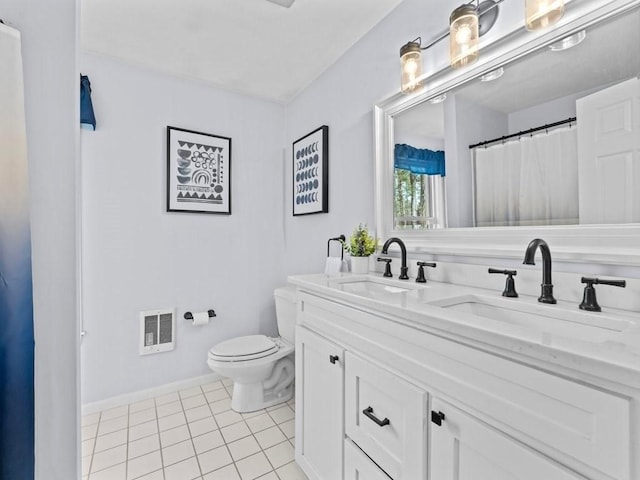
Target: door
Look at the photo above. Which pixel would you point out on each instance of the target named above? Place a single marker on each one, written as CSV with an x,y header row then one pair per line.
x,y
464,448
609,154
319,406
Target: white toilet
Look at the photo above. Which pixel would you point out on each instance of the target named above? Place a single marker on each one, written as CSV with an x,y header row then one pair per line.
x,y
261,367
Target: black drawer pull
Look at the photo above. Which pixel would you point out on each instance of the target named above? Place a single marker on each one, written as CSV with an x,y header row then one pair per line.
x,y
333,358
437,417
368,412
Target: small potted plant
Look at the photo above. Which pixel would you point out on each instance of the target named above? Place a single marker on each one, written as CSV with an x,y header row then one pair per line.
x,y
360,246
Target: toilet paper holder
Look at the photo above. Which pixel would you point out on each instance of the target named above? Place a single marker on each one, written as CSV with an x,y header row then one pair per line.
x,y
189,315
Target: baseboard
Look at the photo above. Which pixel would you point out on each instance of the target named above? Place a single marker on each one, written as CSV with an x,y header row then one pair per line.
x,y
140,395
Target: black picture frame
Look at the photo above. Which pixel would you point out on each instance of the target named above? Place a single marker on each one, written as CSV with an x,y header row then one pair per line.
x,y
198,172
310,158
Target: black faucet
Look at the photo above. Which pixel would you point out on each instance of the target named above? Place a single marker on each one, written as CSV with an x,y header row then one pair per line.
x,y
403,249
547,287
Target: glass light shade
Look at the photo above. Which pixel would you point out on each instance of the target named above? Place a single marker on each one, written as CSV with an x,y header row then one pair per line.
x,y
410,67
542,13
463,36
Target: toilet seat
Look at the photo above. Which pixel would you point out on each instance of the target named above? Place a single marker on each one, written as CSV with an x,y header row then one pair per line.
x,y
242,349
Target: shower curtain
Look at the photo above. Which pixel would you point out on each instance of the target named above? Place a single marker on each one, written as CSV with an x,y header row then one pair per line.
x,y
528,181
16,305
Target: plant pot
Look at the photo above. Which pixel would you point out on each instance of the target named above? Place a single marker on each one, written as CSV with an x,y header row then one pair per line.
x,y
359,265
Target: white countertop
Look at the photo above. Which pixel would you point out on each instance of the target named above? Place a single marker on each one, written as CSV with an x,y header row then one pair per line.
x,y
601,352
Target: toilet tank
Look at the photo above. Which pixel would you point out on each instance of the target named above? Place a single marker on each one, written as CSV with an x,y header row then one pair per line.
x,y
286,312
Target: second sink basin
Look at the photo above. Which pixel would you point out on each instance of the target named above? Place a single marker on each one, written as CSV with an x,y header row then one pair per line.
x,y
575,324
373,287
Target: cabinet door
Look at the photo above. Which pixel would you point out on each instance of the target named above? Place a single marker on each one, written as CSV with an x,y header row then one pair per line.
x,y
464,448
319,406
357,466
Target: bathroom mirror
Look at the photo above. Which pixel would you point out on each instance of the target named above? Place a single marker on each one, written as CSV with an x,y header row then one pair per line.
x,y
516,184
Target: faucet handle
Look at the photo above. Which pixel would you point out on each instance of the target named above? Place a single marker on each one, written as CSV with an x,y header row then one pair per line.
x,y
421,278
589,301
387,267
510,283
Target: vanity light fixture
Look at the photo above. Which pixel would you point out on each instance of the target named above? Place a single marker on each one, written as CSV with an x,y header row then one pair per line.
x,y
568,42
466,24
541,14
492,75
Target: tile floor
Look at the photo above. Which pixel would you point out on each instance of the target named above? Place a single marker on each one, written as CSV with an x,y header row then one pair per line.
x,y
190,435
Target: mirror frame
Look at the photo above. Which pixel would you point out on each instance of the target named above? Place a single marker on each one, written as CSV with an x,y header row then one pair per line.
x,y
615,244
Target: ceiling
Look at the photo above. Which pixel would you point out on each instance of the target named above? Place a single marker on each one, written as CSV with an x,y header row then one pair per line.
x,y
253,47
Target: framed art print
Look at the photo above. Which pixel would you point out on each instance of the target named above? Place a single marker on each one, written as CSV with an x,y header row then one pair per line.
x,y
198,172
311,173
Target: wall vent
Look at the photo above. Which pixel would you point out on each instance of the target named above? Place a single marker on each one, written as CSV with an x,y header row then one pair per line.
x,y
157,331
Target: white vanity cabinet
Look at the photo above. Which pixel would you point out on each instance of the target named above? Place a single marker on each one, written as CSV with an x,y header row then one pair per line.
x,y
319,405
408,402
465,448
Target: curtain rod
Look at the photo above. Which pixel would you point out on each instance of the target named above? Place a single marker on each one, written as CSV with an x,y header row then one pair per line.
x,y
525,132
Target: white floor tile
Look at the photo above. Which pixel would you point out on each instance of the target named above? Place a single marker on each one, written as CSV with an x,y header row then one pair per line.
x,y
235,432
202,426
142,416
227,418
270,437
110,440
112,425
209,387
117,472
214,459
208,441
190,392
225,473
143,465
260,422
253,414
178,452
89,431
142,405
114,413
215,395
169,408
198,413
157,475
288,428
174,435
291,471
87,447
280,454
282,414
108,458
168,398
269,476
171,421
227,382
243,448
185,470
220,406
254,466
90,419
145,445
86,464
143,430
193,402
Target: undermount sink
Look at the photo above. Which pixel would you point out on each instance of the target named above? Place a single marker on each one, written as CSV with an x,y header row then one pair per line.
x,y
373,287
575,324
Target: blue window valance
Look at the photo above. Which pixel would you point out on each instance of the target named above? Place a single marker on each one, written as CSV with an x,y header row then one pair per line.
x,y
87,117
421,161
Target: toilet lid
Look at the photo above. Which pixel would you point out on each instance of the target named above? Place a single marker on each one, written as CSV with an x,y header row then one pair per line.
x,y
244,348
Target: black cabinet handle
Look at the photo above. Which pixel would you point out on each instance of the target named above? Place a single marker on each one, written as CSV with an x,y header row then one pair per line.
x,y
333,358
368,412
437,417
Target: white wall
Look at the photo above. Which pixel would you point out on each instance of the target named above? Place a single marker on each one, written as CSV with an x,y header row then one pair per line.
x,y
136,256
51,99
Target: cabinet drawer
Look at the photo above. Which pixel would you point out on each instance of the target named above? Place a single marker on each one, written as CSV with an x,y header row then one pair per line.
x,y
464,448
384,416
357,466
